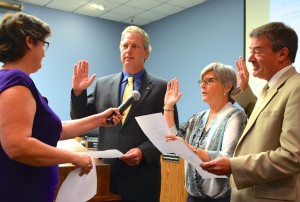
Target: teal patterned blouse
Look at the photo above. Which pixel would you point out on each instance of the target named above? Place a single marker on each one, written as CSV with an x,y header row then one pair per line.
x,y
219,141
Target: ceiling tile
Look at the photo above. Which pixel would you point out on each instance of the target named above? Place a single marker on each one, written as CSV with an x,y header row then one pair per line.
x,y
108,5
153,16
164,1
89,11
127,10
167,9
146,5
114,16
66,5
139,12
186,3
36,2
119,1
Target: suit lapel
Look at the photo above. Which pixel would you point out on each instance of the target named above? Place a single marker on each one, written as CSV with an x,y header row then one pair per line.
x,y
273,91
115,87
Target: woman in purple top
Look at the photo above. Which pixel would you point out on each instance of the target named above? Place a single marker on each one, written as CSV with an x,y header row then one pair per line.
x,y
29,129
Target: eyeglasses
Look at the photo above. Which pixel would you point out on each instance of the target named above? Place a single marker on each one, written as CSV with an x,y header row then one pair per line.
x,y
46,44
207,81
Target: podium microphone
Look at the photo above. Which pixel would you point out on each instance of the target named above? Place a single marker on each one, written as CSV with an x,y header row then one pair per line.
x,y
135,96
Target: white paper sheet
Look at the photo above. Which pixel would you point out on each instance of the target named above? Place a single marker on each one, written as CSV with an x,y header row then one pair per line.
x,y
78,189
155,128
81,189
111,153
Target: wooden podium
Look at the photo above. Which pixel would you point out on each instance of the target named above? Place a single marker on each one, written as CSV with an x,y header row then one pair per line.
x,y
103,173
172,181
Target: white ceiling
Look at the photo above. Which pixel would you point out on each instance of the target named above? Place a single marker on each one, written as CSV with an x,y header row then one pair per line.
x,y
138,12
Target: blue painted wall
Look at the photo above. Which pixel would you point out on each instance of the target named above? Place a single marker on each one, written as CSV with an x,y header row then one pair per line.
x,y
182,44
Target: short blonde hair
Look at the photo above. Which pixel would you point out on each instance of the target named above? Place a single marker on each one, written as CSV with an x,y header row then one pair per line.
x,y
133,28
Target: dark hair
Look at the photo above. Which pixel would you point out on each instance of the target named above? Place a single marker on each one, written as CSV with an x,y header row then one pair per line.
x,y
280,36
14,28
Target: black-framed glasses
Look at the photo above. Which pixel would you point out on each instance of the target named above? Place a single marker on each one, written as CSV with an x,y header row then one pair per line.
x,y
207,81
46,44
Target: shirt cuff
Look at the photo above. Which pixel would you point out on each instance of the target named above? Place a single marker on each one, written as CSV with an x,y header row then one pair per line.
x,y
173,130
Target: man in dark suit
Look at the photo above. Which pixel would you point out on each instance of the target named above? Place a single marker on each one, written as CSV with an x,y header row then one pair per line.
x,y
136,176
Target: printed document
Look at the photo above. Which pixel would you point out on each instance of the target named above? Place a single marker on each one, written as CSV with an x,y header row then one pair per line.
x,y
155,128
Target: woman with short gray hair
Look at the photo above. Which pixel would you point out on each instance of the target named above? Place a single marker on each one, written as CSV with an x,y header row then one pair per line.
x,y
211,133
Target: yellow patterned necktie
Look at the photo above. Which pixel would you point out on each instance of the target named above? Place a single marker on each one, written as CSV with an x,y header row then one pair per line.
x,y
127,92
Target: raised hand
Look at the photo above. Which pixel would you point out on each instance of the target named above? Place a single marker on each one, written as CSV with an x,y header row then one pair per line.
x,y
243,74
172,95
80,80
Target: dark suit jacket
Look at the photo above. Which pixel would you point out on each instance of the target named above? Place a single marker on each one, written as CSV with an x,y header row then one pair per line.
x,y
266,163
133,183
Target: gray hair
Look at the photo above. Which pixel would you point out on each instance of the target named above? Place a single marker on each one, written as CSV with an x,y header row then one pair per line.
x,y
224,73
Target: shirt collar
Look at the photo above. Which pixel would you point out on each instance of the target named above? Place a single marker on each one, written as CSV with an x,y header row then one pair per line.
x,y
137,77
275,78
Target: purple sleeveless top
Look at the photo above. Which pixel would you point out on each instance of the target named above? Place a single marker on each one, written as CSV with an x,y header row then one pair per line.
x,y
18,181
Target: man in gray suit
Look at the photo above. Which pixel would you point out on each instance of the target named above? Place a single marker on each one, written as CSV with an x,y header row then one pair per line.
x,y
266,162
136,176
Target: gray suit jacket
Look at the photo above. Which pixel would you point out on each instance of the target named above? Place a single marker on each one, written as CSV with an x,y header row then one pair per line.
x,y
266,162
133,183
